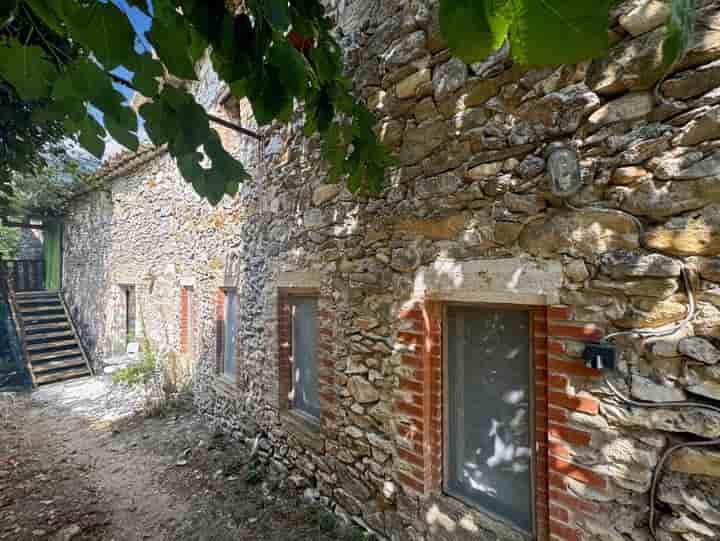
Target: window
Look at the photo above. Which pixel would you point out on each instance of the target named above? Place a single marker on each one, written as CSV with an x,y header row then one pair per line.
x,y
304,392
488,427
229,335
130,307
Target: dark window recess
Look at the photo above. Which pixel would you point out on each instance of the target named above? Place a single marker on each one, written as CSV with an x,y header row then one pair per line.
x,y
304,381
130,308
488,419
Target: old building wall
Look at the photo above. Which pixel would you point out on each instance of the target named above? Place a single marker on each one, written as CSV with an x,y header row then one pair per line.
x,y
468,217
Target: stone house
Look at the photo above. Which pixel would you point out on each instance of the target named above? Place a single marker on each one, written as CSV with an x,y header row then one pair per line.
x,y
416,360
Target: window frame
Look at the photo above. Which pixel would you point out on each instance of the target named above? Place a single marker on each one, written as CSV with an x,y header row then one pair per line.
x,y
228,324
444,485
301,294
129,291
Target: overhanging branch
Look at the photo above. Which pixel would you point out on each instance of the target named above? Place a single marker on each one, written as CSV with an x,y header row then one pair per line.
x,y
212,118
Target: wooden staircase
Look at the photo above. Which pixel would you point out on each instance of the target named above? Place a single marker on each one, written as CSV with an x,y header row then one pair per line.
x,y
49,339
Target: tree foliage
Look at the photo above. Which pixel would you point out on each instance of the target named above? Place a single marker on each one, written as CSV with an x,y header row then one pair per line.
x,y
255,51
547,32
9,242
26,145
44,193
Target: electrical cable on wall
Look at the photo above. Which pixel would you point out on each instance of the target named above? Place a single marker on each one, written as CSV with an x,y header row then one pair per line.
x,y
670,450
565,177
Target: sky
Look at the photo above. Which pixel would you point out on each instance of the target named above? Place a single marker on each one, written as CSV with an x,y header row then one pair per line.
x,y
141,22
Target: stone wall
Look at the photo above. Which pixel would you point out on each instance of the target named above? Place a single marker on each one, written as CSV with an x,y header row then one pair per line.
x,y
467,216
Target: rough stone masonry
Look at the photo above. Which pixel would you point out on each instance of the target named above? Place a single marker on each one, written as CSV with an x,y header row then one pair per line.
x,y
467,216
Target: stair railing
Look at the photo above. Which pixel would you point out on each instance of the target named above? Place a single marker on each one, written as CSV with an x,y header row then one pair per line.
x,y
81,347
8,292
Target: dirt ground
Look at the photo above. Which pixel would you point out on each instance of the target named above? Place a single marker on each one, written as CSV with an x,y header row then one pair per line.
x,y
79,461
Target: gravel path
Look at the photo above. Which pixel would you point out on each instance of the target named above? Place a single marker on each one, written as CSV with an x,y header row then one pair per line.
x,y
79,461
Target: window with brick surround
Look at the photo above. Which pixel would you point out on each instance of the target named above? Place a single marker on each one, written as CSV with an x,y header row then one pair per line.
x,y
299,365
422,405
488,419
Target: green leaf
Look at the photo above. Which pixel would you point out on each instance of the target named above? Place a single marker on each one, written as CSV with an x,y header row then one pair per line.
x,y
103,29
92,137
171,39
552,32
45,11
160,121
292,68
146,71
474,28
327,59
27,69
277,14
142,5
679,30
268,97
123,128
198,45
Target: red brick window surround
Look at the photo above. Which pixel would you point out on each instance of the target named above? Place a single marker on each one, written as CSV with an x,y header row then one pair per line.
x,y
419,407
187,318
324,353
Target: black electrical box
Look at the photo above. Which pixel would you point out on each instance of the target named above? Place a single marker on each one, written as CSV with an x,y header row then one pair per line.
x,y
600,355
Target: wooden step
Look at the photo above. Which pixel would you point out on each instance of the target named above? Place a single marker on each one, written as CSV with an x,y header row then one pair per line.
x,y
45,308
51,345
46,317
54,355
46,327
73,362
31,303
36,293
61,375
64,335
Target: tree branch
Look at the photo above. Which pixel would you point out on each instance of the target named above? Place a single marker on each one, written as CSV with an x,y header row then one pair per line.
x,y
212,118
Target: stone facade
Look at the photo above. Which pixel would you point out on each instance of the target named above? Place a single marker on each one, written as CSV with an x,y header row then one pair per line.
x,y
467,217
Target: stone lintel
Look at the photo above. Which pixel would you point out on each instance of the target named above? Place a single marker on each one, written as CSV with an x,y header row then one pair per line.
x,y
299,280
516,280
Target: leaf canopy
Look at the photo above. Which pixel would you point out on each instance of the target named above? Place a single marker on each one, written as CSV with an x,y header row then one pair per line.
x,y
546,32
255,53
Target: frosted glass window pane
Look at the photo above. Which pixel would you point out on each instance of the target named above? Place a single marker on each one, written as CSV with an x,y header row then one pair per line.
x,y
305,391
230,365
488,418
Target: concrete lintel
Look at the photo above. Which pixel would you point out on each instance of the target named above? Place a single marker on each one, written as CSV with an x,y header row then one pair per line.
x,y
515,280
299,279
